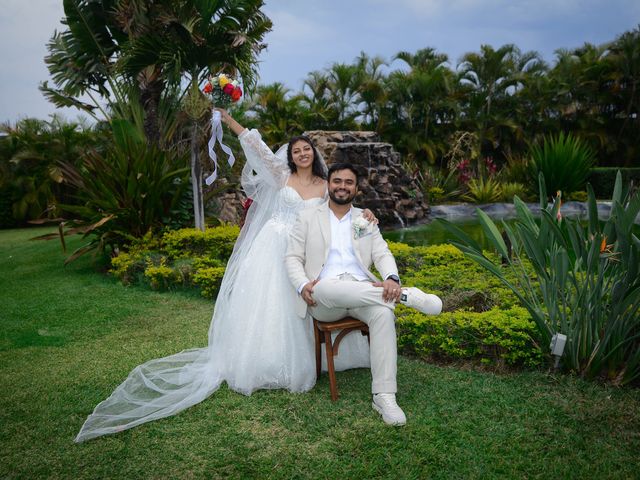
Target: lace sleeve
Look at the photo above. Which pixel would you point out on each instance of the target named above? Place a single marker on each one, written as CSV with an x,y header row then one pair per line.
x,y
262,164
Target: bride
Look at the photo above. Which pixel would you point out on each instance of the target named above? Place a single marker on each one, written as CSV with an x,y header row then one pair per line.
x,y
256,340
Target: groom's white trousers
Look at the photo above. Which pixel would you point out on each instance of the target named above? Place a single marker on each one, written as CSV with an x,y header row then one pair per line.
x,y
337,298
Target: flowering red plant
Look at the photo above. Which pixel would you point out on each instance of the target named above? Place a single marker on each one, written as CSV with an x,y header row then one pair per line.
x,y
467,171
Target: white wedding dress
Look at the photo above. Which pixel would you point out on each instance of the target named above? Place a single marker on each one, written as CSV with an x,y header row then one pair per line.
x,y
256,340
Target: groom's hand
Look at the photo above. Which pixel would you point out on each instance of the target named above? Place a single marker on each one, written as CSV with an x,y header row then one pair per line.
x,y
390,290
307,292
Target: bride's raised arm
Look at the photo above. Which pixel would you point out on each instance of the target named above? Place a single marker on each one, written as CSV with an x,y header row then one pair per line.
x,y
267,166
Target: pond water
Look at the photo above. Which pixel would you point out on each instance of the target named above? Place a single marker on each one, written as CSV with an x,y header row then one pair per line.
x,y
465,218
433,233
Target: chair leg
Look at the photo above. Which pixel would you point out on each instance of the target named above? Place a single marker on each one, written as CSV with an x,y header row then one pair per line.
x,y
316,334
330,367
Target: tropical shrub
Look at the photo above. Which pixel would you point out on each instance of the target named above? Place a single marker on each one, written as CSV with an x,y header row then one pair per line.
x,y
496,336
124,192
209,280
512,189
483,190
178,258
564,160
189,242
438,185
31,181
587,279
161,277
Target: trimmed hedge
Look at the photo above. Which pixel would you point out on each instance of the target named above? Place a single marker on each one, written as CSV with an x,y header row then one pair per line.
x,y
494,337
179,258
482,321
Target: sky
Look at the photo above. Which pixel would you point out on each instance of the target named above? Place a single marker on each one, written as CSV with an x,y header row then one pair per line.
x,y
311,35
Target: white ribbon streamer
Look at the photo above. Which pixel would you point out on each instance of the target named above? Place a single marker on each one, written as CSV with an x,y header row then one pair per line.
x,y
216,135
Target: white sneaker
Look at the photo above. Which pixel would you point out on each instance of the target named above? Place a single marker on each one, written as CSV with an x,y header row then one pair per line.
x,y
426,303
385,404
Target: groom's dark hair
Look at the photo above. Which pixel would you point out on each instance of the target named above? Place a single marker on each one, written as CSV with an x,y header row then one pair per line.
x,y
343,166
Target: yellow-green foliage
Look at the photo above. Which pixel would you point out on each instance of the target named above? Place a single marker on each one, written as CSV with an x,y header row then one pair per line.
x,y
481,321
445,271
511,189
189,242
579,196
436,194
209,279
127,265
494,336
186,257
160,276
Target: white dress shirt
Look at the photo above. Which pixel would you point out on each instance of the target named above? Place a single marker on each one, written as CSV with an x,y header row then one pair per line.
x,y
342,258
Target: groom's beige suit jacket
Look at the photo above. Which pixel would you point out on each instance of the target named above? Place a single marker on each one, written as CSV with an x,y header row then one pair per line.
x,y
309,245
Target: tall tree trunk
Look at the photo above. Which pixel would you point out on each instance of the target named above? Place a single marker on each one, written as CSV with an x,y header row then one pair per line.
x,y
196,179
150,98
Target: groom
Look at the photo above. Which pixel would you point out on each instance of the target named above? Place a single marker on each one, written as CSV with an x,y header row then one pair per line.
x,y
331,250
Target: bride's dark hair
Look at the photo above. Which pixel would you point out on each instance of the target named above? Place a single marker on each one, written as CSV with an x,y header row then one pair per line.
x,y
316,167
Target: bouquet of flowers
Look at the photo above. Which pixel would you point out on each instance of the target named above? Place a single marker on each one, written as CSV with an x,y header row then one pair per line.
x,y
224,90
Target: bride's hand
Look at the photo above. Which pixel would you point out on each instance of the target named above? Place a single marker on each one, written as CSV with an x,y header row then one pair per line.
x,y
224,115
228,120
369,216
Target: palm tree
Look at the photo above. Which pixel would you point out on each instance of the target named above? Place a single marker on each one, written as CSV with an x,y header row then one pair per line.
x,y
491,79
426,59
121,50
624,57
419,105
371,92
279,114
344,82
581,76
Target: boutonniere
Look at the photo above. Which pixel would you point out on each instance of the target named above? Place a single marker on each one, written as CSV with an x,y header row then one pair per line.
x,y
359,225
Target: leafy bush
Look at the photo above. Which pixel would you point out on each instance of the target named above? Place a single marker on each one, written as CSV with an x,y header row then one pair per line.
x,y
483,190
188,242
512,189
31,181
588,279
580,196
445,271
564,160
495,336
161,277
127,265
209,280
123,192
187,257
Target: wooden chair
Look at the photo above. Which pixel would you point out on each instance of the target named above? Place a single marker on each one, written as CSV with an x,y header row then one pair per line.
x,y
322,332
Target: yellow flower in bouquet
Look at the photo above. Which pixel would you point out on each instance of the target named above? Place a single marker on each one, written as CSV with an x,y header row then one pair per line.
x,y
223,80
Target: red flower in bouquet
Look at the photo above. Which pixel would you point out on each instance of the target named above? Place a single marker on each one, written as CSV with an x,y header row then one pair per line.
x,y
236,94
208,88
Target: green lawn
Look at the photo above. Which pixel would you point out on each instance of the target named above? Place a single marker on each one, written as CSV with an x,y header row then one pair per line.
x,y
69,336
